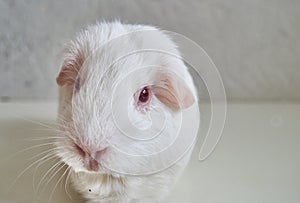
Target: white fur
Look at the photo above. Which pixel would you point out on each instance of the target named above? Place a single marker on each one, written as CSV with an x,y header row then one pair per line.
x,y
87,116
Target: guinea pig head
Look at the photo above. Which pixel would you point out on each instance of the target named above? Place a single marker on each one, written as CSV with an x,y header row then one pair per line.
x,y
91,139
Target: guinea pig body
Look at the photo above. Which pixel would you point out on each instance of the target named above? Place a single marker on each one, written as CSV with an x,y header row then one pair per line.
x,y
122,90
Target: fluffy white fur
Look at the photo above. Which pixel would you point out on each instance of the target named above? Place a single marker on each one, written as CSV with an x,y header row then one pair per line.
x,y
90,115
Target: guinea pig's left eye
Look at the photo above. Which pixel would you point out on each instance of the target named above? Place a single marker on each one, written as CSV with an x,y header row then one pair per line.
x,y
144,95
142,98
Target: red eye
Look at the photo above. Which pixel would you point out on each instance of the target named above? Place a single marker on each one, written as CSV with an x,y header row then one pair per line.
x,y
144,95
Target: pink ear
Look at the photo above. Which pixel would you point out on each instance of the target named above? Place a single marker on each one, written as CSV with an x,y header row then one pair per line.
x,y
70,69
173,92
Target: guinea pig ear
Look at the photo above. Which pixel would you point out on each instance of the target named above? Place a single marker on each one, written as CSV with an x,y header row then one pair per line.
x,y
173,91
70,69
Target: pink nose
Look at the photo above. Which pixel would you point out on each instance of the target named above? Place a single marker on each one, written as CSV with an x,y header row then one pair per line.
x,y
90,163
90,158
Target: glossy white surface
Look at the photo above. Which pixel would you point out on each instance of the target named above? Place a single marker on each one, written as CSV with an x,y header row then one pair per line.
x,y
257,159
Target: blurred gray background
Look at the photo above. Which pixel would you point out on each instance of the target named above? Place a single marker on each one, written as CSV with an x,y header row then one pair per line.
x,y
254,44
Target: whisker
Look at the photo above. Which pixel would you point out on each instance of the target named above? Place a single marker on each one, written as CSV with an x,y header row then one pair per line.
x,y
26,169
32,121
59,180
53,175
45,138
66,182
45,175
27,149
53,130
39,164
44,152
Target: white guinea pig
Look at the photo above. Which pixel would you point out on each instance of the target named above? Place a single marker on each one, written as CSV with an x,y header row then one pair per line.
x,y
123,89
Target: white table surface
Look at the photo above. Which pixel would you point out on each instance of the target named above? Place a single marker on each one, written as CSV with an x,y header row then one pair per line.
x,y
256,161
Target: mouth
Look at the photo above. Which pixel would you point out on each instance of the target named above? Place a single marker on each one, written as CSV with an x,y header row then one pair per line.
x,y
101,172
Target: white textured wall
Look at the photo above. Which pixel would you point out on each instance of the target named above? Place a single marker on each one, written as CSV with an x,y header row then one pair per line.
x,y
255,44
